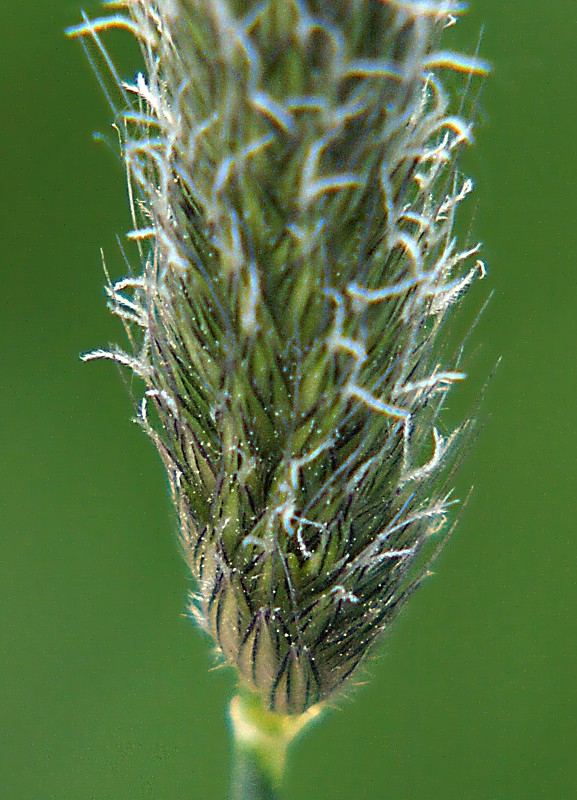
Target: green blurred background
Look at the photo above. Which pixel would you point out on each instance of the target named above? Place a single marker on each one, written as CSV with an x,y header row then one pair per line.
x,y
105,690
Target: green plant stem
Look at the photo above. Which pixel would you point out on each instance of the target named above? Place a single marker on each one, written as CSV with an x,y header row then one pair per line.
x,y
250,780
261,740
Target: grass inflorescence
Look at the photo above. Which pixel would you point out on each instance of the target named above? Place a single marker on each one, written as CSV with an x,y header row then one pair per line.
x,y
292,167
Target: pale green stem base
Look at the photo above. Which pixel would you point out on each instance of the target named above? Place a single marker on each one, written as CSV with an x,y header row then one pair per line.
x,y
249,779
261,741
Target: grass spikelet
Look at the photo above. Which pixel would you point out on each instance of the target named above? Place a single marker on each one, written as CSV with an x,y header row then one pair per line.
x,y
293,177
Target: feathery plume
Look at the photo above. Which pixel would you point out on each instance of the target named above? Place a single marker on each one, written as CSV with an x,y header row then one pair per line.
x,y
292,170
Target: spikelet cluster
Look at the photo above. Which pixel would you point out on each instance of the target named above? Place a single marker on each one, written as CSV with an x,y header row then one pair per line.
x,y
293,177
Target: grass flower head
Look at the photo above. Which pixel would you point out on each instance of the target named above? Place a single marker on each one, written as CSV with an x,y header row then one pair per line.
x,y
292,169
